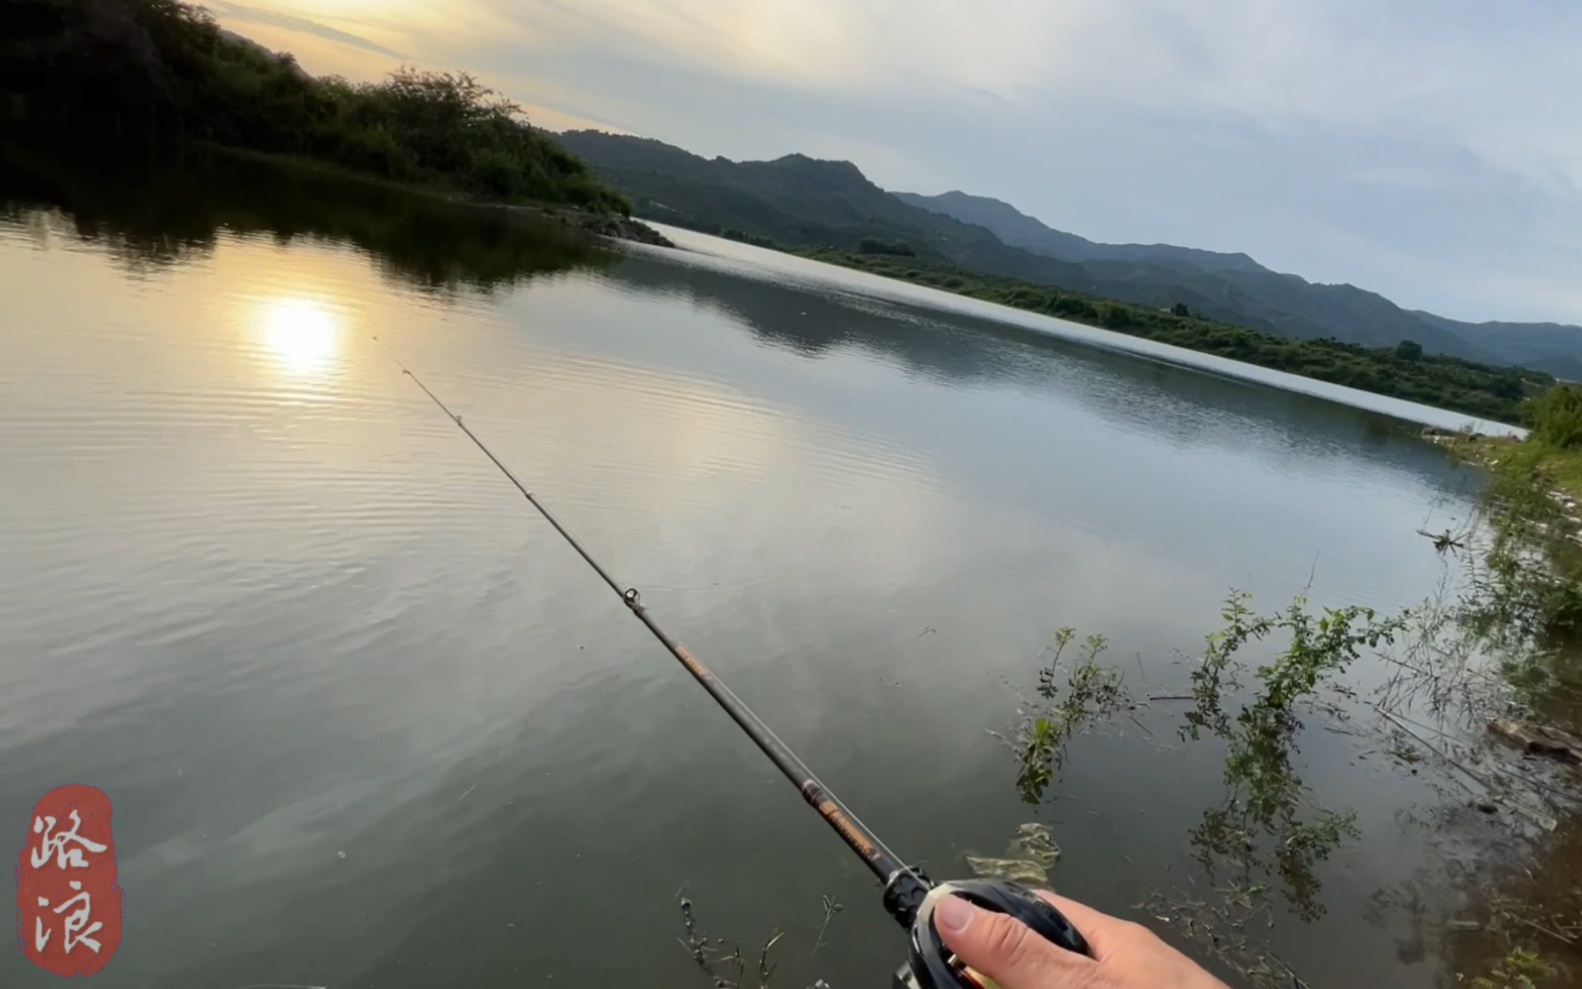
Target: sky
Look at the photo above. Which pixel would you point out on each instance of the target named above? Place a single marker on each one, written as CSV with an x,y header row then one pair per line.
x,y
1430,151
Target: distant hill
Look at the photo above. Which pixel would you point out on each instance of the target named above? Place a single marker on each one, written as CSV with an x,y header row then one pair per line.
x,y
797,201
1306,311
1551,347
792,201
1018,229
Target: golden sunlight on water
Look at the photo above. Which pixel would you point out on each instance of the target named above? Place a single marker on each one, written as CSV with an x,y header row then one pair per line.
x,y
301,335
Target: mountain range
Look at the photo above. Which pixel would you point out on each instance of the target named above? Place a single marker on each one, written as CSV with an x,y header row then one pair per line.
x,y
797,201
1020,230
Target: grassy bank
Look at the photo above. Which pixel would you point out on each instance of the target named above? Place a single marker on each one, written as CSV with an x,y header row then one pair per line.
x,y
1559,467
1550,457
1400,372
123,76
1525,577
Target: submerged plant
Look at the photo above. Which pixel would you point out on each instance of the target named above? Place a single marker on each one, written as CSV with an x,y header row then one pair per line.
x,y
1218,925
1265,801
1504,631
1521,969
734,968
1069,699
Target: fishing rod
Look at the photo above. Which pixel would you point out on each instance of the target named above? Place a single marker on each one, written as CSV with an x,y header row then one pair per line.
x,y
909,895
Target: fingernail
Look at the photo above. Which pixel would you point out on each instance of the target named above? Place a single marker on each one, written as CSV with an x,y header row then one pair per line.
x,y
955,913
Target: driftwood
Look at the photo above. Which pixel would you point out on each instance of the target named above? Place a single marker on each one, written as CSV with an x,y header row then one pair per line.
x,y
1442,540
1540,740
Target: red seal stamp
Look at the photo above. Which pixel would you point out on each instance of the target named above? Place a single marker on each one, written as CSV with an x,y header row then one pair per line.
x,y
68,902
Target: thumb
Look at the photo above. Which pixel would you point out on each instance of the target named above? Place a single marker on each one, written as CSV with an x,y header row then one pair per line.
x,y
1005,949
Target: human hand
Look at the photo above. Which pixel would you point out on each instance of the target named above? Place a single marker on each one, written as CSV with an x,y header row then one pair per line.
x,y
1125,955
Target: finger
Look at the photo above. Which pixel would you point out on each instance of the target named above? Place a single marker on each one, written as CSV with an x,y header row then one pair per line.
x,y
1005,949
1094,926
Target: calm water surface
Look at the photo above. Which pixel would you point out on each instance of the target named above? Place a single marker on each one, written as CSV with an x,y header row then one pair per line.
x,y
366,722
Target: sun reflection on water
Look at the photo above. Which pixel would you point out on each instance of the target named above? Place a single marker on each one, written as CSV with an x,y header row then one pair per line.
x,y
302,336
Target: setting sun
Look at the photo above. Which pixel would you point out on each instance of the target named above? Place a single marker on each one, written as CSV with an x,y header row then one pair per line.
x,y
301,335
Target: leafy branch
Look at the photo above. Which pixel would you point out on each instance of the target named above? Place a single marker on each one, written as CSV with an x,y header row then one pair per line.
x,y
1062,710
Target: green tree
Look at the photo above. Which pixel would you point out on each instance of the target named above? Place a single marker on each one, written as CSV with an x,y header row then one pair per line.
x,y
873,245
1409,350
1556,416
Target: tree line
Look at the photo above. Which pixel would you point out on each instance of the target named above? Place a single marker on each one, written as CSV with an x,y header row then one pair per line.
x,y
160,72
1404,371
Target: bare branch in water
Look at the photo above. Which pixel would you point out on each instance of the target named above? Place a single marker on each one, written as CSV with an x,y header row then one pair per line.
x,y
707,952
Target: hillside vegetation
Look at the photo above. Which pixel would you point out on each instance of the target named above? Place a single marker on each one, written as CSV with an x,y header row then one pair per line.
x,y
796,202
1403,371
151,73
1235,288
793,201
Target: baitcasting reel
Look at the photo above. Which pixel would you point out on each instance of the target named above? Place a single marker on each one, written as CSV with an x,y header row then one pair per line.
x,y
930,964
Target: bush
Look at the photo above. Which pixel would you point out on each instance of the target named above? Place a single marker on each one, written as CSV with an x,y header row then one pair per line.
x,y
873,245
1556,416
1067,306
743,237
1116,317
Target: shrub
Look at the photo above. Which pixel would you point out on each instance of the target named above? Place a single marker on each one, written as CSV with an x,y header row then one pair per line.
x,y
1556,416
873,245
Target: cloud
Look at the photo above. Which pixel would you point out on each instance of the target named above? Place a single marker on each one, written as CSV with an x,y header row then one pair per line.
x,y
1431,151
260,15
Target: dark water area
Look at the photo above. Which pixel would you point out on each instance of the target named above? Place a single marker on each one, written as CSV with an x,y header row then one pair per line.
x,y
153,212
365,721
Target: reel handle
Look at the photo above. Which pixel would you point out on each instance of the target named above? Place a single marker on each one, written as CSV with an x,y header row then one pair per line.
x,y
932,964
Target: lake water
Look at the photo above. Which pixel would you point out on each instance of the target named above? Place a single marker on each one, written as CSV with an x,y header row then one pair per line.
x,y
366,721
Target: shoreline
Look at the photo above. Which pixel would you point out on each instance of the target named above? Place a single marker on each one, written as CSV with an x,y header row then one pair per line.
x,y
1350,366
1488,452
612,226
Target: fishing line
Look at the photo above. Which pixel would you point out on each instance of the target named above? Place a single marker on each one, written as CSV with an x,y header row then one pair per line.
x,y
909,895
884,862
